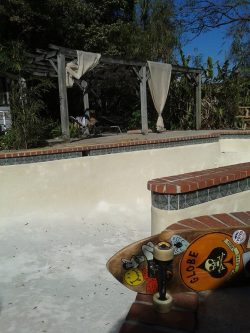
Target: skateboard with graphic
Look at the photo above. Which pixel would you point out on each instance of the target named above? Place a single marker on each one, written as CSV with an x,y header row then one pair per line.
x,y
184,260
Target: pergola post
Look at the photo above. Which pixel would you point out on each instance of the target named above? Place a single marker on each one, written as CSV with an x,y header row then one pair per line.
x,y
198,102
83,87
63,96
86,101
143,95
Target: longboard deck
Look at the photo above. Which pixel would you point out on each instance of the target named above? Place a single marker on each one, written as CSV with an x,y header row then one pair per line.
x,y
203,260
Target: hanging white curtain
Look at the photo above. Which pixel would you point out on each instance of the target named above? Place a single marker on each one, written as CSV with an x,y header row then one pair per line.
x,y
160,75
85,62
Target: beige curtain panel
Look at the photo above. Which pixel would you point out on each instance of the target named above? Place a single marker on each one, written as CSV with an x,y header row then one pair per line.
x,y
160,75
86,61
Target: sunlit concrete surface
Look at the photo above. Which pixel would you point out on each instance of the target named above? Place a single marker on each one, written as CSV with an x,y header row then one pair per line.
x,y
62,220
60,223
53,276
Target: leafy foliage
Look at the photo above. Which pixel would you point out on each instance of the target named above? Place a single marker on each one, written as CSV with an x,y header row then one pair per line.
x,y
153,35
88,25
12,58
27,127
143,29
224,89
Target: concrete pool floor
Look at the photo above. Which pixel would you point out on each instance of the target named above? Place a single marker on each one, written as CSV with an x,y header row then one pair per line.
x,y
53,275
53,279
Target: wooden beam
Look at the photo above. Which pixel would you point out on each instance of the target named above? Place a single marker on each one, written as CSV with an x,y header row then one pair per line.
x,y
45,74
51,54
136,73
69,53
116,61
37,67
198,102
181,69
53,65
63,96
47,54
143,95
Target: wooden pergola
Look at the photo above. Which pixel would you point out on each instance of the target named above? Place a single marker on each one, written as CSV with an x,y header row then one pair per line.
x,y
52,63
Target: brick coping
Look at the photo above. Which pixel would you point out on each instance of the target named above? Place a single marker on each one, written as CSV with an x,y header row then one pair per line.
x,y
193,181
214,221
91,147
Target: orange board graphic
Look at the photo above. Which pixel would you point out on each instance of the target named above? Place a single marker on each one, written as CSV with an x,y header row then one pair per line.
x,y
210,261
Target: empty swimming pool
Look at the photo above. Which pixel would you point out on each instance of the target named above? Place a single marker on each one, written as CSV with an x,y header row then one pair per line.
x,y
62,219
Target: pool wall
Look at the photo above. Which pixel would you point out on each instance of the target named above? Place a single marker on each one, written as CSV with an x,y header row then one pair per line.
x,y
108,182
79,185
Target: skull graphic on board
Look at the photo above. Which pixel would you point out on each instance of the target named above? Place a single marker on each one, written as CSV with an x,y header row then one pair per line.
x,y
210,265
215,263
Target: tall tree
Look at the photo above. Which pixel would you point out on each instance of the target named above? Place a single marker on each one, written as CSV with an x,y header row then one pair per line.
x,y
76,24
199,16
153,34
214,13
142,29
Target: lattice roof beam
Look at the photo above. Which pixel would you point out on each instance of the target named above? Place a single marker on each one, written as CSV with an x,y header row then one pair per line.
x,y
109,60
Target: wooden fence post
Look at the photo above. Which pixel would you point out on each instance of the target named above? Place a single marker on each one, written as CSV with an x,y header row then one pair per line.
x,y
63,97
198,102
143,94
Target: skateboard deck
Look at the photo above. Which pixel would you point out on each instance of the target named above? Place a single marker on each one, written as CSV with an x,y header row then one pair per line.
x,y
203,260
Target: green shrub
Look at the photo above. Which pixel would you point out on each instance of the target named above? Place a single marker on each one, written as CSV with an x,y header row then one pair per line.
x,y
28,127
